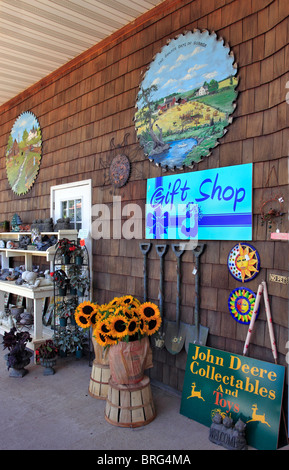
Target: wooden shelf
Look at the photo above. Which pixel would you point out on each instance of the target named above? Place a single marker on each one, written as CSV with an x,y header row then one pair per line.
x,y
35,296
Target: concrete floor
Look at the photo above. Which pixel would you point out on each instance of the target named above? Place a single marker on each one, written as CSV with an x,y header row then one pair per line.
x,y
56,413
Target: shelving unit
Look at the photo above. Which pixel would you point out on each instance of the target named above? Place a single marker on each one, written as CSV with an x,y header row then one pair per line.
x,y
34,296
79,271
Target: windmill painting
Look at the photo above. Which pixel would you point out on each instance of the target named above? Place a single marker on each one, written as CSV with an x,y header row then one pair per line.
x,y
23,154
185,100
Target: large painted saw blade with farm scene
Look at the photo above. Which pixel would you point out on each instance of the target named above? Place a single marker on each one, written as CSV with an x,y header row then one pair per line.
x,y
185,99
23,154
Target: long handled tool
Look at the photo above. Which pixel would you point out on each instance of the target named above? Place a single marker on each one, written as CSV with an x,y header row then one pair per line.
x,y
262,289
159,337
175,332
145,248
197,334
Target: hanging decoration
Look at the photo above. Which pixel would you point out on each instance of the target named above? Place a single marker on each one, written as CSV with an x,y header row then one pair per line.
x,y
119,171
272,207
243,262
185,100
241,305
23,154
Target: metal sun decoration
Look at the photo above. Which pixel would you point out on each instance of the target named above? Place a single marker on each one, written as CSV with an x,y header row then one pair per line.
x,y
185,100
243,262
23,154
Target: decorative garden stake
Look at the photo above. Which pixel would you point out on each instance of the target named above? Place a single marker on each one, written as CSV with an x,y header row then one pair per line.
x,y
185,100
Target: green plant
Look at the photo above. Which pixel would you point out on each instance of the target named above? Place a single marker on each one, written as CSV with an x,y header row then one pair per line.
x,y
80,282
65,308
74,271
69,340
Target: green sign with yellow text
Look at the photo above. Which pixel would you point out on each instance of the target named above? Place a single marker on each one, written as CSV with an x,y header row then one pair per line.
x,y
237,386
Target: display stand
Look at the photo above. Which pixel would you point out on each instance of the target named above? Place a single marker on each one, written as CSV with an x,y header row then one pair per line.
x,y
34,296
130,406
72,295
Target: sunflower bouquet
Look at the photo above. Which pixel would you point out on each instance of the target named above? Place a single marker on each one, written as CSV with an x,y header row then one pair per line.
x,y
123,319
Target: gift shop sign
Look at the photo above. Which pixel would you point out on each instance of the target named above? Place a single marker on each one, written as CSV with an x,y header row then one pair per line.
x,y
206,205
240,387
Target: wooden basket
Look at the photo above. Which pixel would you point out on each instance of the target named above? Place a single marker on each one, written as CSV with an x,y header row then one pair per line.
x,y
98,385
130,406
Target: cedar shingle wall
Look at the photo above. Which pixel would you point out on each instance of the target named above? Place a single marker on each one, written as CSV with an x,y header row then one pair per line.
x,y
86,105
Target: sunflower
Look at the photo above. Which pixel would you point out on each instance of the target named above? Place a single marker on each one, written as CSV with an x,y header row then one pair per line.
x,y
149,310
114,302
82,320
100,338
133,325
142,326
103,326
110,341
126,299
153,325
94,319
119,326
130,311
87,308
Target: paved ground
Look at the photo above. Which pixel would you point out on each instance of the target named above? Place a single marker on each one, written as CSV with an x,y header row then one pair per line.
x,y
57,413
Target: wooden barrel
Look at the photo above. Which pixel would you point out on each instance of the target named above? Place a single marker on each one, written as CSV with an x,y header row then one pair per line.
x,y
98,385
131,405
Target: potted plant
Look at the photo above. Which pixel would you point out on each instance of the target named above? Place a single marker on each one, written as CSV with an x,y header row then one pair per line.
x,y
18,357
78,255
123,325
68,341
66,248
80,282
61,281
61,312
74,272
65,309
46,355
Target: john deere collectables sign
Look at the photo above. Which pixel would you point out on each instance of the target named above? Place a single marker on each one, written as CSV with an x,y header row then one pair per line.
x,y
240,387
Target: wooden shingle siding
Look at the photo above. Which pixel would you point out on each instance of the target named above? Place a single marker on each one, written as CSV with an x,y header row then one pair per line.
x,y
88,105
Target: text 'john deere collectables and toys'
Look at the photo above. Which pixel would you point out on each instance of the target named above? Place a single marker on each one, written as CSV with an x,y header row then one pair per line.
x,y
235,386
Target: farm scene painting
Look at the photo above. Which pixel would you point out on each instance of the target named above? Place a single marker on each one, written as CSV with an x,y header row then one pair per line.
x,y
185,100
23,153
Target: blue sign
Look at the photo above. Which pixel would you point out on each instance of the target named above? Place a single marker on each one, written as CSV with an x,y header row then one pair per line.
x,y
206,205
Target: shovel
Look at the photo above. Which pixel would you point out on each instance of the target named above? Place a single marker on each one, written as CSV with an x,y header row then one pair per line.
x,y
159,337
197,334
175,332
145,248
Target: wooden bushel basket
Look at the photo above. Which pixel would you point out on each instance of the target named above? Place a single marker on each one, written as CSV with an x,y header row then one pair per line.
x,y
130,406
98,385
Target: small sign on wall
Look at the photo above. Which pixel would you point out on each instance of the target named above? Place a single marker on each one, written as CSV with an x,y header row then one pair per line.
x,y
212,204
237,386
